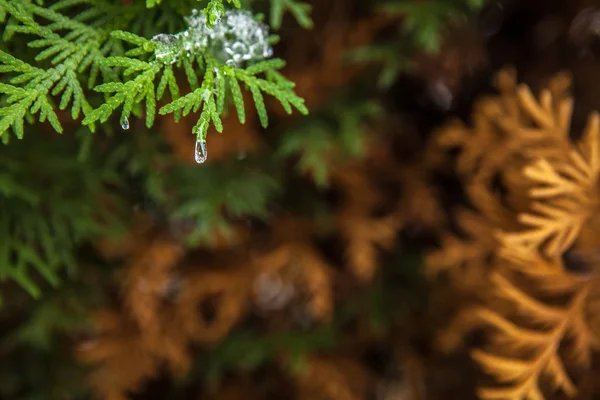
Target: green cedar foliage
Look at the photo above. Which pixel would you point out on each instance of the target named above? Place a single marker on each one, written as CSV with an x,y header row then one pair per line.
x,y
86,59
238,189
41,365
424,20
340,129
84,51
43,219
300,11
422,24
91,59
203,96
205,201
246,350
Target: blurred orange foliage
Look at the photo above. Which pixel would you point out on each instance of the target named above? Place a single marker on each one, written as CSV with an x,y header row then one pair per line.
x,y
526,253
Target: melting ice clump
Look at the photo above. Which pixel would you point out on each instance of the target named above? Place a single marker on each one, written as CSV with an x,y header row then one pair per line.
x,y
235,39
167,47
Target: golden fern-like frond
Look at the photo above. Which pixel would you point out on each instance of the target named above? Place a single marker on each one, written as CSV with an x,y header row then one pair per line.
x,y
565,195
121,361
464,260
508,131
362,233
333,378
539,315
548,327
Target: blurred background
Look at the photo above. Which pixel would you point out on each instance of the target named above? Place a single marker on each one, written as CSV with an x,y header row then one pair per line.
x,y
296,262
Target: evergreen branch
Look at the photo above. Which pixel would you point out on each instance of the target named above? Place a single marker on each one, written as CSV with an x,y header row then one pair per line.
x,y
72,53
31,98
389,57
207,70
152,3
300,11
202,97
422,25
215,9
127,94
319,140
425,19
213,54
41,224
277,86
247,349
205,194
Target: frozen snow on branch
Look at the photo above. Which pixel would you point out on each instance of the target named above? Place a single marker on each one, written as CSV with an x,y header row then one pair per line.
x,y
233,40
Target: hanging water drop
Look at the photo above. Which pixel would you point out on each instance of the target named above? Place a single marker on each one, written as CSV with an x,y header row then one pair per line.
x,y
124,123
200,152
218,16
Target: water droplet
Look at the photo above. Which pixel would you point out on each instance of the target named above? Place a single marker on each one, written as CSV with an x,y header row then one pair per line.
x,y
167,47
584,26
491,19
239,48
271,292
88,345
171,288
441,95
124,123
200,152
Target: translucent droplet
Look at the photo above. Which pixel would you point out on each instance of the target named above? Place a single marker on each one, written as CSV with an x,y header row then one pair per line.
x,y
166,47
239,48
271,292
200,152
218,16
124,123
441,95
491,19
171,288
88,344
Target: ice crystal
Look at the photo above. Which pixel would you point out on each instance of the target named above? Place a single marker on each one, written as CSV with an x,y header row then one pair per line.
x,y
235,39
168,47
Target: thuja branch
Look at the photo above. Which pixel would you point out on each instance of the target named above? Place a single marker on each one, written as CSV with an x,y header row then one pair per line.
x,y
220,52
215,61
